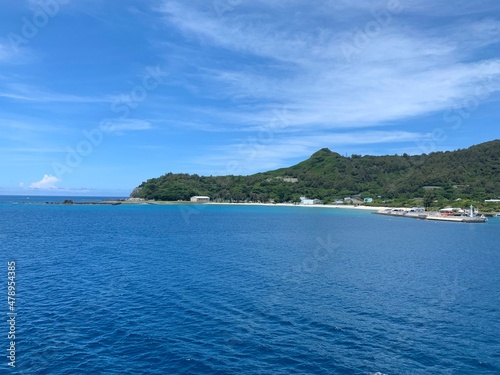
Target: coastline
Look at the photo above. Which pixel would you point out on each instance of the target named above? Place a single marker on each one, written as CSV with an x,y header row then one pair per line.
x,y
343,206
346,206
127,202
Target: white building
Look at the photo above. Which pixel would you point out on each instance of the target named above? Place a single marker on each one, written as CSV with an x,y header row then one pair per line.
x,y
304,200
200,199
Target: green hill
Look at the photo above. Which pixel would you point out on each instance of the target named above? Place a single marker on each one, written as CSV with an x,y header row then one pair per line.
x,y
438,178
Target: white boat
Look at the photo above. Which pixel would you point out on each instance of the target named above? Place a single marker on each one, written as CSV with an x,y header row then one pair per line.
x,y
473,216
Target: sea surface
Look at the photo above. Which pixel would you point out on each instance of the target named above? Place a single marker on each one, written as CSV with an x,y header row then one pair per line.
x,y
227,289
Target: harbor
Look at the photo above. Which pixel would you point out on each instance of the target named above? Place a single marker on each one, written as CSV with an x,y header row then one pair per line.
x,y
456,215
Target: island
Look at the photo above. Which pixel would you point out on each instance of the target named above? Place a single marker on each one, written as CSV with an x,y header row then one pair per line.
x,y
434,181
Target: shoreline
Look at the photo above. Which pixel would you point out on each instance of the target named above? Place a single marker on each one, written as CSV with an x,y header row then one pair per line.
x,y
373,209
159,203
346,206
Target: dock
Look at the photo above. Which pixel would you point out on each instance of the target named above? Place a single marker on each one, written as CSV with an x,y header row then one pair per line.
x,y
437,216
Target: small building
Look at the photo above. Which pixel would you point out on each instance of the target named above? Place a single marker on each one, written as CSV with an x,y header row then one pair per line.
x,y
200,199
304,200
368,200
135,199
339,201
492,200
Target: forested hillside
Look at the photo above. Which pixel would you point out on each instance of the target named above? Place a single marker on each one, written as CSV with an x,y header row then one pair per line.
x,y
443,177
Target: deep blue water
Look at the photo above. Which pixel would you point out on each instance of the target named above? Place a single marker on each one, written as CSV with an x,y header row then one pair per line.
x,y
143,289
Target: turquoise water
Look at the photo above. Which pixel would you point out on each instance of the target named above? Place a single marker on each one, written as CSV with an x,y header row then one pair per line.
x,y
142,289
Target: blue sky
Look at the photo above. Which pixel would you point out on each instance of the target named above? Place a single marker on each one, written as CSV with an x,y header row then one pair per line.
x,y
97,96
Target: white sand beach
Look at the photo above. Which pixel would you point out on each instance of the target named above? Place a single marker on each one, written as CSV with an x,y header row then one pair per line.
x,y
342,206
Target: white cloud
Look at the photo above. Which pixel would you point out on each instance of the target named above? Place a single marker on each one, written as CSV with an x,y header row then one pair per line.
x,y
119,126
10,56
14,55
401,72
252,155
47,182
30,93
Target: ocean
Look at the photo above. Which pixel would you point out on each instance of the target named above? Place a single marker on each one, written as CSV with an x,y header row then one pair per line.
x,y
228,289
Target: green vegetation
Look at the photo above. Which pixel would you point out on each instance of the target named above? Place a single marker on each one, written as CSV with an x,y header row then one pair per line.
x,y
456,178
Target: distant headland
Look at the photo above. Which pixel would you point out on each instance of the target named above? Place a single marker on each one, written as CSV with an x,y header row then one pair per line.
x,y
452,178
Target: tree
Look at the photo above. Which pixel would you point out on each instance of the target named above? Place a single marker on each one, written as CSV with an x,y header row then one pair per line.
x,y
428,198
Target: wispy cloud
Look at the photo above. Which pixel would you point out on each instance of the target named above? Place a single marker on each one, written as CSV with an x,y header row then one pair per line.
x,y
32,150
29,93
261,83
4,53
403,72
119,126
250,156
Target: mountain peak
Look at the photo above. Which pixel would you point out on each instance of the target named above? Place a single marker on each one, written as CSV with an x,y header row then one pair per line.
x,y
324,152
